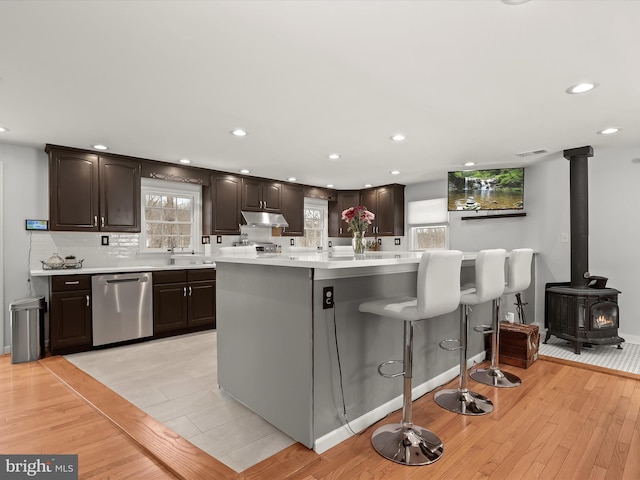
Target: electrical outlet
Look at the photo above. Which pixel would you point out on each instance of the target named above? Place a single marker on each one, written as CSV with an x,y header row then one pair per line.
x,y
105,240
330,244
206,240
397,241
292,242
327,298
219,239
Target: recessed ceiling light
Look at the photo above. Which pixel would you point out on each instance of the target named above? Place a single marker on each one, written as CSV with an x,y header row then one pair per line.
x,y
185,160
292,179
367,185
100,147
581,88
333,156
238,132
395,172
469,164
609,131
330,185
3,129
398,137
244,170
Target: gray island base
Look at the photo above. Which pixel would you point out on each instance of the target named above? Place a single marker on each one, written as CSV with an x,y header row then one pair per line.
x,y
277,347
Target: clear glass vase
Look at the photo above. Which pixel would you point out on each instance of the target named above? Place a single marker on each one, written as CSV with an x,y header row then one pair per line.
x,y
358,242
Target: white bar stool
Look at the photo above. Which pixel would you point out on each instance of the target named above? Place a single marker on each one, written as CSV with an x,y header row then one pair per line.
x,y
438,293
489,285
518,279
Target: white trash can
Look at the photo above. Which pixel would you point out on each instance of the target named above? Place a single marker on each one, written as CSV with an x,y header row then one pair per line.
x,y
27,325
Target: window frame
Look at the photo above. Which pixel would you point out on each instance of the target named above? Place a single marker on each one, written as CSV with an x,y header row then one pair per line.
x,y
323,206
165,187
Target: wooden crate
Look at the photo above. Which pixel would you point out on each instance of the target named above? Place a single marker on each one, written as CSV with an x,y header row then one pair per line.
x,y
519,344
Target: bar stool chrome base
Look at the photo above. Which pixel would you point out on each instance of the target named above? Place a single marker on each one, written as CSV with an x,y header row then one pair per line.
x,y
463,401
408,446
495,377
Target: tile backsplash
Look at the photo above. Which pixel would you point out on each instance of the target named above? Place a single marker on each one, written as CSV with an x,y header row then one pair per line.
x,y
122,249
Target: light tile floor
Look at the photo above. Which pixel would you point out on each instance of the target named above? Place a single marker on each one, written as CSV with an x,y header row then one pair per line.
x,y
175,381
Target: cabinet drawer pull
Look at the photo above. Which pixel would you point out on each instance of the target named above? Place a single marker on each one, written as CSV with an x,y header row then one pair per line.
x,y
77,282
88,300
95,220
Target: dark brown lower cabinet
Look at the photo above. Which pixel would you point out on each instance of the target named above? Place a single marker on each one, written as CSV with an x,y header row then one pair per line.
x,y
70,314
183,301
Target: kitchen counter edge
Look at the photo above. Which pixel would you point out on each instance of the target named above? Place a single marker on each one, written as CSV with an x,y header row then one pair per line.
x,y
39,272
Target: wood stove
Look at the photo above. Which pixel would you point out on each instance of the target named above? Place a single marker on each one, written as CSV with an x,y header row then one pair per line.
x,y
582,315
576,311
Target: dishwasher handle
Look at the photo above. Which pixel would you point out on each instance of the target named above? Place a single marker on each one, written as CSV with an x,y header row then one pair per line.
x,y
127,280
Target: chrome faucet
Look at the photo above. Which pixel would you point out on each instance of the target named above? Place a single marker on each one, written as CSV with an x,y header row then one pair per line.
x,y
172,261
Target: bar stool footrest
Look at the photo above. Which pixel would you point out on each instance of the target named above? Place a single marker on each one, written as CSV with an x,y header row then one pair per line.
x,y
456,341
408,446
484,328
390,375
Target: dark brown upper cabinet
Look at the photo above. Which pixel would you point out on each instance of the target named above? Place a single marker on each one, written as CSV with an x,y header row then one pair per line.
x,y
387,202
226,193
346,199
260,195
293,209
92,193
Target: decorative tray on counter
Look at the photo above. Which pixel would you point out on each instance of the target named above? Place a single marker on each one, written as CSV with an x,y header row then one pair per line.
x,y
65,266
55,262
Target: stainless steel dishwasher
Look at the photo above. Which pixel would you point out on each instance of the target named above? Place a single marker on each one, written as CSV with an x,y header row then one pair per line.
x,y
122,307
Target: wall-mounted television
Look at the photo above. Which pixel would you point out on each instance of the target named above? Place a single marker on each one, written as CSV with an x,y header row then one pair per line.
x,y
477,190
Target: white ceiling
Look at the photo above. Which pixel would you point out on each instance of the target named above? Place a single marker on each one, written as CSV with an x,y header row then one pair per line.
x,y
464,80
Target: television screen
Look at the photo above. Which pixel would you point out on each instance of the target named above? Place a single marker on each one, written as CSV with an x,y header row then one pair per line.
x,y
497,189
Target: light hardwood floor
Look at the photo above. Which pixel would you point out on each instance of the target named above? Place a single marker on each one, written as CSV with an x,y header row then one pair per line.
x,y
567,421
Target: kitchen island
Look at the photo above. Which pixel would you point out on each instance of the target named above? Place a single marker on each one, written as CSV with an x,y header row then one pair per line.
x,y
278,346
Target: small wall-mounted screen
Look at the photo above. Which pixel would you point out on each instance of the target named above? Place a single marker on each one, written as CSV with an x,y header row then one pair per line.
x,y
37,224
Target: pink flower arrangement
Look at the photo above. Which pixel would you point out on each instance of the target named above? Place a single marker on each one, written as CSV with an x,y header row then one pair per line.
x,y
358,218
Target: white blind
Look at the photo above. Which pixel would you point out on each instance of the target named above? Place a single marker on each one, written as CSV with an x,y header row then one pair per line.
x,y
426,212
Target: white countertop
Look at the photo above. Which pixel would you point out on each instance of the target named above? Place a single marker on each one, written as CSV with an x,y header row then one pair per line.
x,y
326,260
39,272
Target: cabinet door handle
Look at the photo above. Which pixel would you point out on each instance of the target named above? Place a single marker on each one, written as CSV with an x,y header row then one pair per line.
x,y
88,300
77,282
95,220
265,204
340,230
184,291
190,291
102,221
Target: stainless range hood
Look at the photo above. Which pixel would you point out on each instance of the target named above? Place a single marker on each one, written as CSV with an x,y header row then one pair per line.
x,y
264,219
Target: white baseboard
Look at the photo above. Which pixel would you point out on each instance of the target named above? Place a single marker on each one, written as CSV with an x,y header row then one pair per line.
x,y
333,438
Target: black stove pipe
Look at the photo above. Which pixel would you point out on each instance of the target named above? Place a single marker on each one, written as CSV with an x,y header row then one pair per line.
x,y
579,212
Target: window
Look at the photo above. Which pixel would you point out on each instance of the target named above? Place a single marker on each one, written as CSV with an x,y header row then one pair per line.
x,y
315,224
171,213
429,237
428,224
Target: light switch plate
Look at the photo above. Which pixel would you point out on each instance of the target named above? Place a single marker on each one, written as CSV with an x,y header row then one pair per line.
x,y
105,240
